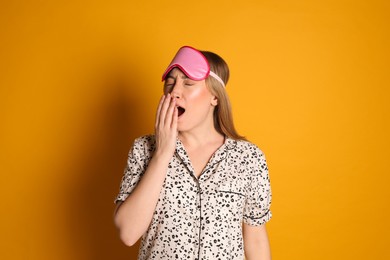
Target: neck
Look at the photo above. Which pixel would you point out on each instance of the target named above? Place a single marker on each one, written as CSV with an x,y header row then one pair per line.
x,y
200,138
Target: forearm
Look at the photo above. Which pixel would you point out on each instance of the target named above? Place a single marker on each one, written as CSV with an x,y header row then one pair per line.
x,y
260,252
134,215
256,243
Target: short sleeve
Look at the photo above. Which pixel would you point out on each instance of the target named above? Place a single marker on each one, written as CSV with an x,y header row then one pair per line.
x,y
258,193
136,165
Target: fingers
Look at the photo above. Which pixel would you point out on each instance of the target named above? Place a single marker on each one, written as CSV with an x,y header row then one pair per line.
x,y
159,111
174,118
166,125
166,112
164,108
170,112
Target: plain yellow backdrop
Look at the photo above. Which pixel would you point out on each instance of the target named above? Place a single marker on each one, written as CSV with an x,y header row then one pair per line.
x,y
79,80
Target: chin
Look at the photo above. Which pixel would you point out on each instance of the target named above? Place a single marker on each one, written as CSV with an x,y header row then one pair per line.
x,y
182,128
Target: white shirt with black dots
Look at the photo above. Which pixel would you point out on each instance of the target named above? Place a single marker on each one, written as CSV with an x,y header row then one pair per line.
x,y
201,218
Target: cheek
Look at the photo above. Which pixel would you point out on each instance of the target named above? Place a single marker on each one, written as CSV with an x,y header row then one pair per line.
x,y
199,95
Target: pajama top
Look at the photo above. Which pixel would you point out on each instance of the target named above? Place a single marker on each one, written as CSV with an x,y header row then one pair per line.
x,y
201,218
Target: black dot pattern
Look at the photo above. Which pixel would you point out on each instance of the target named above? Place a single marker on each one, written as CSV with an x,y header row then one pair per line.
x,y
201,218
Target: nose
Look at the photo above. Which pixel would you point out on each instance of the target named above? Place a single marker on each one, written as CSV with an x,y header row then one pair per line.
x,y
176,90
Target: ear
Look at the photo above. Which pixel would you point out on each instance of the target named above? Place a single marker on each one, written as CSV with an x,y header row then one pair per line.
x,y
214,101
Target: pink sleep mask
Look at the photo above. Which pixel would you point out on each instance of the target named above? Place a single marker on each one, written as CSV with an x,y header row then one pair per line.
x,y
192,63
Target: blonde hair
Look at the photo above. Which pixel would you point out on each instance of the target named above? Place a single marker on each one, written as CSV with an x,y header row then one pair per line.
x,y
223,118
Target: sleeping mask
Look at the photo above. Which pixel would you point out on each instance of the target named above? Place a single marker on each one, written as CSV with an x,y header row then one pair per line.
x,y
193,64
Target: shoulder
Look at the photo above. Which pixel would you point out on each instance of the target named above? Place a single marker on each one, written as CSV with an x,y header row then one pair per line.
x,y
144,144
145,140
250,155
254,159
248,148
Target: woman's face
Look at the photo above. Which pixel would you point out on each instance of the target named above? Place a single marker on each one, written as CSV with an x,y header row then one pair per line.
x,y
194,101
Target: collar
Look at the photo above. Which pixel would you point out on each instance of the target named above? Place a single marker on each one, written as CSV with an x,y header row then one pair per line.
x,y
219,155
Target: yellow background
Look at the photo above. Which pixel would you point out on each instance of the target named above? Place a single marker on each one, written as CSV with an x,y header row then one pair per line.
x,y
79,80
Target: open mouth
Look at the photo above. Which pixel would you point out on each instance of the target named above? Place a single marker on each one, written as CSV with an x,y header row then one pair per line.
x,y
180,111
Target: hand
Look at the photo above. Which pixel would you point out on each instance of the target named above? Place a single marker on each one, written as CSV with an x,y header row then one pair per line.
x,y
166,127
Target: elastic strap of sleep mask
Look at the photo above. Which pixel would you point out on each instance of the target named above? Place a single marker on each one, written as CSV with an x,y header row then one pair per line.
x,y
212,74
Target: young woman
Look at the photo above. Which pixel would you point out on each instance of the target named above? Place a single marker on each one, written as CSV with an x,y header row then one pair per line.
x,y
195,189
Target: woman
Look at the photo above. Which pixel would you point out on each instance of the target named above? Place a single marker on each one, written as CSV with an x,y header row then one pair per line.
x,y
196,189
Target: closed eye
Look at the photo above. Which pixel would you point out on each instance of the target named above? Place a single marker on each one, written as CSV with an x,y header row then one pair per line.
x,y
169,83
168,88
189,82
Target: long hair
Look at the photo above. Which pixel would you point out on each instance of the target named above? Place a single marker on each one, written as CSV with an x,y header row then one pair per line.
x,y
223,118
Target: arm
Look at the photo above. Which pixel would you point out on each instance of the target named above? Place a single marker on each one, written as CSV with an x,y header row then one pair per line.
x,y
257,209
256,243
133,216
